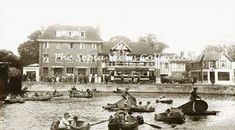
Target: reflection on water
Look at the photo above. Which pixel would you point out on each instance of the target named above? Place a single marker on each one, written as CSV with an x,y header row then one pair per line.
x,y
39,115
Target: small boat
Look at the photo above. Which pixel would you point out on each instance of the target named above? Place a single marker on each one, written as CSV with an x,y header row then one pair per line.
x,y
38,98
11,101
58,95
118,91
119,105
163,100
141,109
84,126
80,94
174,117
124,126
132,124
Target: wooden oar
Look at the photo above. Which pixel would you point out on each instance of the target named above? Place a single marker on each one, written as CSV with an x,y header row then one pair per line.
x,y
98,122
154,126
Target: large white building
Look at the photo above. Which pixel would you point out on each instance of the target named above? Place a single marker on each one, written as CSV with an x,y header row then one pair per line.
x,y
207,68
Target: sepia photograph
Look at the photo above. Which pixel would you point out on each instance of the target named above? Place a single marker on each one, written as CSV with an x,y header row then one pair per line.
x,y
117,64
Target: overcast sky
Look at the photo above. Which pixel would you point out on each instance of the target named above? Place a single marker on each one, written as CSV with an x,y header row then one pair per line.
x,y
187,25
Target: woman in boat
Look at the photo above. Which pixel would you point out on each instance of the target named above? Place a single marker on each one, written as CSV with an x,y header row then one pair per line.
x,y
64,123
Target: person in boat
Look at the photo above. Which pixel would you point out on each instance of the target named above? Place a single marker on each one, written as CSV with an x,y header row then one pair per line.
x,y
118,118
194,96
64,123
129,118
140,105
89,92
55,92
36,94
9,97
148,106
76,124
168,112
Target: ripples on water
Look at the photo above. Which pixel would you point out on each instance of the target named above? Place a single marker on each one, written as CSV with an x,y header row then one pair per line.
x,y
39,115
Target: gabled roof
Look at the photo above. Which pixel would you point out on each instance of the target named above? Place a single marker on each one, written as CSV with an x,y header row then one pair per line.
x,y
121,42
90,33
137,48
210,57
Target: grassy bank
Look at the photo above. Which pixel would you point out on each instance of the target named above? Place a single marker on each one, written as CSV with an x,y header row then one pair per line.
x,y
147,88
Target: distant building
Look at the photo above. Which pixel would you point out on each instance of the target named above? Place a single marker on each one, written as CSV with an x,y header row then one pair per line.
x,y
128,60
210,67
170,64
31,72
63,51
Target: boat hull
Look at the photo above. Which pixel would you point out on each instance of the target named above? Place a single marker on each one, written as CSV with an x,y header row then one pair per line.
x,y
39,98
12,101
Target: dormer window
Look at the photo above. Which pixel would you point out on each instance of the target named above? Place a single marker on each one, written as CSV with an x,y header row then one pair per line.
x,y
70,45
82,34
94,47
82,45
70,34
46,45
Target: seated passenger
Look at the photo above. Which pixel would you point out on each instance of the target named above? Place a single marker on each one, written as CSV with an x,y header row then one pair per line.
x,y
140,105
9,97
76,124
64,123
148,106
129,118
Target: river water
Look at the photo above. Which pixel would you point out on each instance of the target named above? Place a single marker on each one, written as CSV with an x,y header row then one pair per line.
x,y
39,115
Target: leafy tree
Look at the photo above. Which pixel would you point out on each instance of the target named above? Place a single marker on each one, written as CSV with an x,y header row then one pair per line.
x,y
220,48
8,56
119,38
10,77
29,50
153,42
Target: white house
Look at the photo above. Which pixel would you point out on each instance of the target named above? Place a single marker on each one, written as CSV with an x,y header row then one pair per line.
x,y
210,67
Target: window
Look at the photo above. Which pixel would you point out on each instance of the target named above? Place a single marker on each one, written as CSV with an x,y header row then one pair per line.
x,y
45,58
93,58
205,76
93,71
70,34
81,58
166,65
70,45
223,76
58,59
94,46
82,34
82,45
222,63
45,71
69,70
46,45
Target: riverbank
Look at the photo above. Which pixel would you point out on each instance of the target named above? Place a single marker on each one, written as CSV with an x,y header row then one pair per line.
x,y
136,88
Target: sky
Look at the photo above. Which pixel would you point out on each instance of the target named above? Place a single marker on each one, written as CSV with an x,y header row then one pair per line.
x,y
184,25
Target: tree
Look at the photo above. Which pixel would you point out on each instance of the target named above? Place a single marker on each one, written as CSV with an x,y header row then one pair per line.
x,y
119,38
12,74
29,50
220,48
8,56
153,42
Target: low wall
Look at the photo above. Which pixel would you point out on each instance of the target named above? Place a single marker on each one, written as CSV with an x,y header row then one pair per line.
x,y
147,88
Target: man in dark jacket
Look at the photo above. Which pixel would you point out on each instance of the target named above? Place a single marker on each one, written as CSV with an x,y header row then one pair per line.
x,y
194,95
